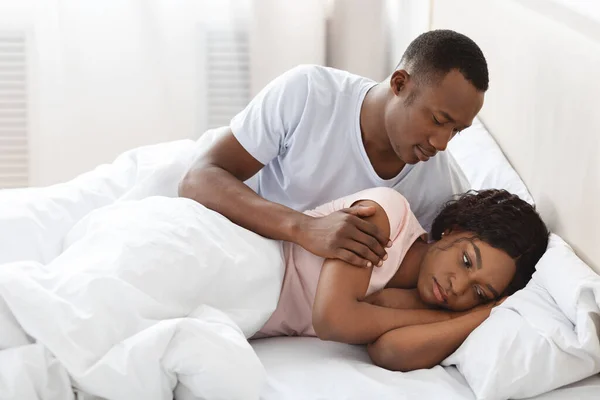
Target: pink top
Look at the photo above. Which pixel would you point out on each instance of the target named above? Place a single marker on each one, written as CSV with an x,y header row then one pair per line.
x,y
293,315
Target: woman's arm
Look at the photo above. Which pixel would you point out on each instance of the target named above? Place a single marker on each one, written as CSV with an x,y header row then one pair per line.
x,y
407,299
341,315
424,346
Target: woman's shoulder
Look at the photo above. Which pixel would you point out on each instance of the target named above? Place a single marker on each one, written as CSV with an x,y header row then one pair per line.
x,y
392,203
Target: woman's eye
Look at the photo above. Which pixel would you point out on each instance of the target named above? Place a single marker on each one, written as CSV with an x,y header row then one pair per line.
x,y
480,293
466,260
435,121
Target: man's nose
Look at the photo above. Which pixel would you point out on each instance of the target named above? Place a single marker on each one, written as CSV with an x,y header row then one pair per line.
x,y
440,140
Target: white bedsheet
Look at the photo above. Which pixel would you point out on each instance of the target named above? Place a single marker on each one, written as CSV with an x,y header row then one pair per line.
x,y
310,369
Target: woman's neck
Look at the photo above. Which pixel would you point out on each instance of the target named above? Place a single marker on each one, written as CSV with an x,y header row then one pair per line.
x,y
407,275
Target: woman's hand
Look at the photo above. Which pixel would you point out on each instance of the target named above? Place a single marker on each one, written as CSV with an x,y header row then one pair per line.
x,y
483,307
409,299
425,345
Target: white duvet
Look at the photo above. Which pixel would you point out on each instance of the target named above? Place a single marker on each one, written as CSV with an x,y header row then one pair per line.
x,y
111,287
145,299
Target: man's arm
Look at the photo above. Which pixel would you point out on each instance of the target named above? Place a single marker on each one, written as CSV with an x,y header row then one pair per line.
x,y
216,181
424,346
340,313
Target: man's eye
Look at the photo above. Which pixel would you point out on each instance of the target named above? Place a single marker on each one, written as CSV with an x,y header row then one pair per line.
x,y
466,260
435,121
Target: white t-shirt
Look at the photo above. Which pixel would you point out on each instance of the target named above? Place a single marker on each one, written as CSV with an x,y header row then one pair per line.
x,y
304,126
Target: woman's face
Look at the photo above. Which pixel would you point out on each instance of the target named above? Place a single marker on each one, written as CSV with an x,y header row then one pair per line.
x,y
460,272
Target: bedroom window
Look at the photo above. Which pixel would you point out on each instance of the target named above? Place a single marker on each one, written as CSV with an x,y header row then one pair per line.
x,y
14,163
227,74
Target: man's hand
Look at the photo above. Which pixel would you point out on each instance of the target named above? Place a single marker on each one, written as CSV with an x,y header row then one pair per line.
x,y
346,236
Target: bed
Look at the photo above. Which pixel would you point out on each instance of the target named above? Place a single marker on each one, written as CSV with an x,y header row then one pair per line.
x,y
519,127
305,368
541,58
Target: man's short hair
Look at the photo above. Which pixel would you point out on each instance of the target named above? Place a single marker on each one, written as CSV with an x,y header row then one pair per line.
x,y
435,53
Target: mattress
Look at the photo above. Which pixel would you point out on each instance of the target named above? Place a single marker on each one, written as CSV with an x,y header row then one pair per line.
x,y
308,368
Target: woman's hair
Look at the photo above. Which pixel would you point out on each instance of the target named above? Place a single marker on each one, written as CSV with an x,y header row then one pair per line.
x,y
503,221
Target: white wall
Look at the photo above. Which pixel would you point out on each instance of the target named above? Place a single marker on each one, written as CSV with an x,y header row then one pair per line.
x,y
357,39
109,79
110,75
587,8
107,76
284,34
368,38
407,19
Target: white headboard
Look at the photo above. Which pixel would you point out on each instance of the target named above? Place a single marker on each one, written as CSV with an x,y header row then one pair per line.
x,y
543,105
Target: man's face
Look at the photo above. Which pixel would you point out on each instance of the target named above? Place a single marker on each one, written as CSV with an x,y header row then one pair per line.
x,y
434,113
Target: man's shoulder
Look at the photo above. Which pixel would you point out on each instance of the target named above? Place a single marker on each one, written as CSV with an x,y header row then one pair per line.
x,y
328,78
315,69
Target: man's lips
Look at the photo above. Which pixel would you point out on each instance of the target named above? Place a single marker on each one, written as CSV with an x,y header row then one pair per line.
x,y
427,152
420,155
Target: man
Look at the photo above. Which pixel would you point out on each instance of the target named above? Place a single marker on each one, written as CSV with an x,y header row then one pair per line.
x,y
315,134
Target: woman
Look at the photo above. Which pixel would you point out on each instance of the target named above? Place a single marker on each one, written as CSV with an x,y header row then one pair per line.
x,y
421,304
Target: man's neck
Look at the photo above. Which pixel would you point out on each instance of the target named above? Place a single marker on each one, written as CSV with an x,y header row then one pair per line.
x,y
384,160
372,119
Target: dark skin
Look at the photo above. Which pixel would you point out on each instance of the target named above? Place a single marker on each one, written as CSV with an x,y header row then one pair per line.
x,y
395,132
418,130
410,324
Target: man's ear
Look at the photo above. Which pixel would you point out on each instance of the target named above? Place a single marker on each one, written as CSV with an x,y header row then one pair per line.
x,y
399,80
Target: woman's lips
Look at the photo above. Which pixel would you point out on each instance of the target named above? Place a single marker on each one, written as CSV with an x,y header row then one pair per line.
x,y
439,292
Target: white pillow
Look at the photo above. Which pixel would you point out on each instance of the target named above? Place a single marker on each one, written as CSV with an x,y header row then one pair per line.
x,y
483,162
543,337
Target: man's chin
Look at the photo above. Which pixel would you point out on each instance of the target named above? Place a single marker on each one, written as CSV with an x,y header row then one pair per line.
x,y
412,160
408,157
